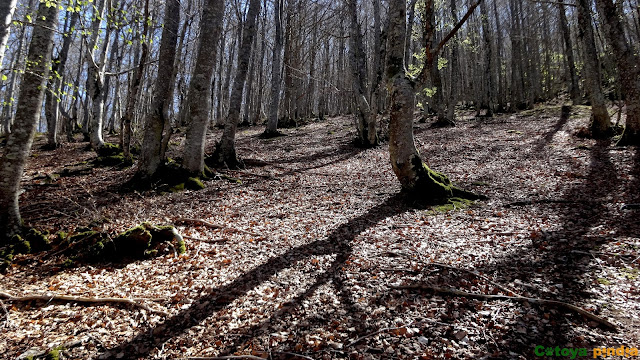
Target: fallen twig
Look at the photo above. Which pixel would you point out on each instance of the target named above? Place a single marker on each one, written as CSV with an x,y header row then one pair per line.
x,y
79,299
204,240
212,226
556,303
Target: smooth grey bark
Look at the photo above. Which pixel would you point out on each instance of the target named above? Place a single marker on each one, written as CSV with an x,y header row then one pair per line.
x,y
367,134
27,114
600,120
152,156
95,75
276,75
7,7
225,153
200,88
628,69
574,89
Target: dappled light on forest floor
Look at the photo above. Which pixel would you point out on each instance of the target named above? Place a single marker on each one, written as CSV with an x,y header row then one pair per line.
x,y
317,249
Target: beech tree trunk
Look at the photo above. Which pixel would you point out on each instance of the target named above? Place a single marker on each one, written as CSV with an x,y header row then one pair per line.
x,y
366,119
225,153
7,7
27,115
276,75
95,76
152,156
201,86
600,120
414,176
628,69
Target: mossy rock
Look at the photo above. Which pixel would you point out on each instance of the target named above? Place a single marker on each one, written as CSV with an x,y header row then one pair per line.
x,y
177,188
39,240
108,150
194,184
113,160
20,245
133,242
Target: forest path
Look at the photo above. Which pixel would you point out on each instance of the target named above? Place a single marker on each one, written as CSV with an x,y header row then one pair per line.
x,y
335,237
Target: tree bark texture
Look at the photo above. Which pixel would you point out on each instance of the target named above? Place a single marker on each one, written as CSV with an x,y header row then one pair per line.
x,y
27,115
628,69
600,120
7,7
200,89
226,149
276,75
152,156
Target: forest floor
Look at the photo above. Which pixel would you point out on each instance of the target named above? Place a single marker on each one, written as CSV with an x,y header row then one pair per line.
x,y
337,265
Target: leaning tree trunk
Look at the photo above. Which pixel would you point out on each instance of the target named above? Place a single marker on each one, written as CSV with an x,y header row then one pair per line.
x,y
95,76
628,69
201,86
152,157
27,115
414,176
7,7
225,153
276,75
600,120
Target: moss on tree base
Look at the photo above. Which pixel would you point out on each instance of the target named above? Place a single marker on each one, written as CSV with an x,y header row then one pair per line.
x,y
433,188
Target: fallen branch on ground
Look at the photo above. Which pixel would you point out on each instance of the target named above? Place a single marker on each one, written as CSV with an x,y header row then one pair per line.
x,y
211,225
79,299
556,303
204,240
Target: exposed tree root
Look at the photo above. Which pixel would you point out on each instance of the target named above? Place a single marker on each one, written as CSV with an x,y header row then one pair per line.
x,y
212,226
79,299
556,303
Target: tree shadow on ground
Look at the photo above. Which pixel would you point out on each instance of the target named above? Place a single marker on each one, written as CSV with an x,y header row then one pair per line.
x,y
338,243
557,260
545,139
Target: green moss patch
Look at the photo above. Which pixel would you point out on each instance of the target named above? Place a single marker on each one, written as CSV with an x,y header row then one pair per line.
x,y
143,241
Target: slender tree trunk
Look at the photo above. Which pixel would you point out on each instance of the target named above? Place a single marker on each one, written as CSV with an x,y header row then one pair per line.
x,y
28,112
53,101
628,69
488,78
7,7
134,92
600,120
276,76
455,71
366,121
225,153
152,156
201,86
574,89
408,50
